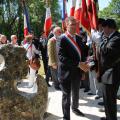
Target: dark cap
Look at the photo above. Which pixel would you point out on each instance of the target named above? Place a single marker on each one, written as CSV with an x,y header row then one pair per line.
x,y
110,23
101,20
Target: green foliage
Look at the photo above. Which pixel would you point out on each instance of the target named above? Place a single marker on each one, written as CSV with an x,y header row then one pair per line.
x,y
11,16
112,11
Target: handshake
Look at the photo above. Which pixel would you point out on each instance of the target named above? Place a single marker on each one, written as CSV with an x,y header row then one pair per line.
x,y
84,66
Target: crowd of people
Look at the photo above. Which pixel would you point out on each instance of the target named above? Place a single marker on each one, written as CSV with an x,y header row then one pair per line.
x,y
74,61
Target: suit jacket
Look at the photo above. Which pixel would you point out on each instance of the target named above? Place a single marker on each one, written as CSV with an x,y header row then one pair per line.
x,y
109,55
52,55
69,59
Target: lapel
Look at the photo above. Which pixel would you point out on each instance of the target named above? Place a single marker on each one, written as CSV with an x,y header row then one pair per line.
x,y
113,37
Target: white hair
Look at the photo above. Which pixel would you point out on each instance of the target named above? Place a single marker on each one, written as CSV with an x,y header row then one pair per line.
x,y
2,36
12,36
56,29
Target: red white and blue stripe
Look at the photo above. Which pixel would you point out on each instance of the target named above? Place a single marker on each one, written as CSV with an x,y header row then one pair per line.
x,y
72,8
27,28
74,44
64,12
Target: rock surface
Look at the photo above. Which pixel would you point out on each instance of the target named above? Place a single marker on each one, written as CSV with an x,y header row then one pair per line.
x,y
16,105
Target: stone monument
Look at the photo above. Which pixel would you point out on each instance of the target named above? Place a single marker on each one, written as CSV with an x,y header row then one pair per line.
x,y
16,104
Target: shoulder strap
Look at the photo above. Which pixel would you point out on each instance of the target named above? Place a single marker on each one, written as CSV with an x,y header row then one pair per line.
x,y
30,46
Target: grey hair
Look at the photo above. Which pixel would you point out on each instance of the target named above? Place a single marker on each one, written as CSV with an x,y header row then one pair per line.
x,y
12,36
56,29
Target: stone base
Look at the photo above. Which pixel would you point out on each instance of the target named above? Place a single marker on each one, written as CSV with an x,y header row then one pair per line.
x,y
16,105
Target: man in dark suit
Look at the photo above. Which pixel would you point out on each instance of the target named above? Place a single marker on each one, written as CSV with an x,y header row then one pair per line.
x,y
110,67
70,55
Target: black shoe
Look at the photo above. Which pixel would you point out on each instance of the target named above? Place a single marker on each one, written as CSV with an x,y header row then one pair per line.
x,y
97,97
57,88
101,103
65,119
103,118
102,110
78,112
81,87
90,94
86,90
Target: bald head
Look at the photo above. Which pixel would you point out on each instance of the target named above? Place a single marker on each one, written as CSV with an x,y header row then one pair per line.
x,y
57,31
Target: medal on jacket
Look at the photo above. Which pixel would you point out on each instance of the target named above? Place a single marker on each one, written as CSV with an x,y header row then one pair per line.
x,y
73,43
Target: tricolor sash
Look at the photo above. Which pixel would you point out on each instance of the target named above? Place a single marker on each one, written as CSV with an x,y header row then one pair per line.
x,y
74,44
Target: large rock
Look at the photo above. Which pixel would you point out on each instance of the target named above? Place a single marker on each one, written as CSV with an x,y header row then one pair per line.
x,y
16,105
16,66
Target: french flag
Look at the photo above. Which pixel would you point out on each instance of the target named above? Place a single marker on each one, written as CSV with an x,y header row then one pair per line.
x,y
27,29
48,21
64,14
84,18
77,13
72,9
92,7
77,10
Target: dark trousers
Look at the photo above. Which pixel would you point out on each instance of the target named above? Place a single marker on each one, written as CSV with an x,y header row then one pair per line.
x,y
48,74
46,68
70,86
85,82
109,97
54,73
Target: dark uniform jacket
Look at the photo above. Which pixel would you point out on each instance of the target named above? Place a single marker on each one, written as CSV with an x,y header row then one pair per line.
x,y
110,59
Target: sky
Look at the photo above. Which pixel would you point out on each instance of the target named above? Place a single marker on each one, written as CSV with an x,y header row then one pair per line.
x,y
103,3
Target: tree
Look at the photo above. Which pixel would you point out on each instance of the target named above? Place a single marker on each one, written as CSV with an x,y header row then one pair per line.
x,y
112,11
115,4
8,10
11,16
37,14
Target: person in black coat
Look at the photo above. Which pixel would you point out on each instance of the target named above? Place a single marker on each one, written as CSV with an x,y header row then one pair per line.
x,y
41,45
85,76
43,42
110,68
70,55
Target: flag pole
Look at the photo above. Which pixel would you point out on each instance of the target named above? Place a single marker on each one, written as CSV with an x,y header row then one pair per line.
x,y
23,2
27,29
47,2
